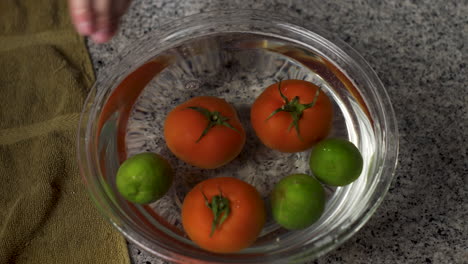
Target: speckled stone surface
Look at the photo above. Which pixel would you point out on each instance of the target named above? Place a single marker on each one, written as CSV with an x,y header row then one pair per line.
x,y
419,50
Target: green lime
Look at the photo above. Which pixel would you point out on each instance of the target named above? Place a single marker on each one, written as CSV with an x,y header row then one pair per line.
x,y
336,162
297,201
144,178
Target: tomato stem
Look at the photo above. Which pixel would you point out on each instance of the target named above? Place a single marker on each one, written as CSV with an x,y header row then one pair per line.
x,y
214,118
220,206
294,108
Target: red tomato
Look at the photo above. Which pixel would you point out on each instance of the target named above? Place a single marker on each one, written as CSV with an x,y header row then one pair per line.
x,y
291,116
205,132
240,219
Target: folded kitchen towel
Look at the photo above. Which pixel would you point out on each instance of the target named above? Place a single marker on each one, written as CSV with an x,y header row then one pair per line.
x,y
46,215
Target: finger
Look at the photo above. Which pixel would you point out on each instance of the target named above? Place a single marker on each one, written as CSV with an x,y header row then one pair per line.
x,y
104,34
82,16
106,21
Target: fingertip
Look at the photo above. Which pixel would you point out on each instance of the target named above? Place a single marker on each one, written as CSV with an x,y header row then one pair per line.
x,y
105,29
103,35
83,22
82,16
84,28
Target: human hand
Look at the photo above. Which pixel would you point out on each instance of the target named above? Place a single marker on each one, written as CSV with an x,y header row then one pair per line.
x,y
97,19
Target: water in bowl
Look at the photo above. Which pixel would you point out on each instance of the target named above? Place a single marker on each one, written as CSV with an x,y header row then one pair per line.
x,y
238,67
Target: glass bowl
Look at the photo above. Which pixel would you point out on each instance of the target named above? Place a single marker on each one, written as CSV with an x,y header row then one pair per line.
x,y
233,55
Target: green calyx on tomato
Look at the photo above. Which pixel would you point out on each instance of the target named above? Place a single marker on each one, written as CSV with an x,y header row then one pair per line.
x,y
295,108
220,206
214,118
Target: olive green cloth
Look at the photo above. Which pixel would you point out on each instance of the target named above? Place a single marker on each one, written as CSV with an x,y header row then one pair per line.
x,y
46,215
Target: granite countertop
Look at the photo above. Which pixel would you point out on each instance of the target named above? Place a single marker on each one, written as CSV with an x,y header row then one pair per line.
x,y
418,49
